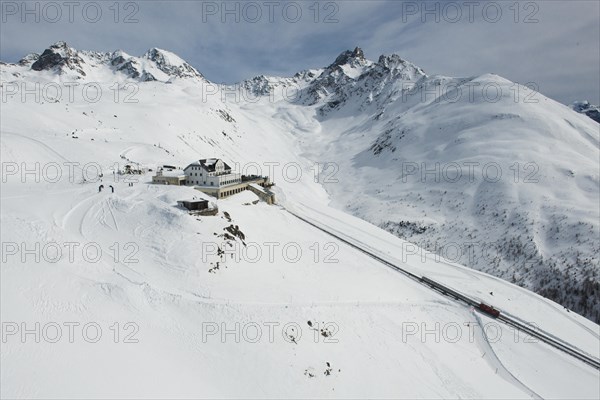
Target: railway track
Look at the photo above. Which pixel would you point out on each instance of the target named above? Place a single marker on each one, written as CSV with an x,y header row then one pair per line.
x,y
460,297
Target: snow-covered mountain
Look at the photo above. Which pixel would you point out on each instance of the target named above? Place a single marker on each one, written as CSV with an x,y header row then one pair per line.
x,y
481,170
381,141
154,65
507,185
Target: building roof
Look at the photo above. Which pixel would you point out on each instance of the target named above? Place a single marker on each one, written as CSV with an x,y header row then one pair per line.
x,y
193,201
208,164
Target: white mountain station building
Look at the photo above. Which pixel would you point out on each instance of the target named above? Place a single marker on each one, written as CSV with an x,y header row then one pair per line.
x,y
211,172
214,177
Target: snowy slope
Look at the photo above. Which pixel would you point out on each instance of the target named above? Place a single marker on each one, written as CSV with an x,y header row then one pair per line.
x,y
173,299
509,188
481,170
164,281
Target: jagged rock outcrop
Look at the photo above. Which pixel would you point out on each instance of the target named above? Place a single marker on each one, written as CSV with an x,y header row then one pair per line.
x,y
171,64
154,65
61,58
584,107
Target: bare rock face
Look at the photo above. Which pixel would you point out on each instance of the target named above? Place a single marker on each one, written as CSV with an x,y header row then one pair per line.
x,y
353,58
130,67
61,58
258,86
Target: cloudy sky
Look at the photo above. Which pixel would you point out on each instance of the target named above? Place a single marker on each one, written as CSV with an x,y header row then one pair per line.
x,y
555,44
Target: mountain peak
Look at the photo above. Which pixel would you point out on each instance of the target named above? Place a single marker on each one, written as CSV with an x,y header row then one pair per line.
x,y
164,56
61,44
171,64
393,62
61,57
351,57
155,64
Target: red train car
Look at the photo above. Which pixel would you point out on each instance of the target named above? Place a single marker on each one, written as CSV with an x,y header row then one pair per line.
x,y
489,310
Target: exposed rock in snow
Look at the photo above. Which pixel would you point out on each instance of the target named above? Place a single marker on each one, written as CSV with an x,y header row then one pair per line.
x,y
171,64
61,58
584,107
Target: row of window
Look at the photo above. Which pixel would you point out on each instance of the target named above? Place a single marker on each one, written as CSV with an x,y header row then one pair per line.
x,y
208,174
196,168
230,192
231,181
197,182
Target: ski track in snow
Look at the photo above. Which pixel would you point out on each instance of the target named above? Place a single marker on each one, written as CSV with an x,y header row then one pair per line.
x,y
495,363
112,214
38,143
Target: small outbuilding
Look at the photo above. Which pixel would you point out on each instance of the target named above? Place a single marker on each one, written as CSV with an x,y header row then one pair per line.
x,y
193,205
169,177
